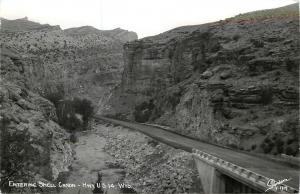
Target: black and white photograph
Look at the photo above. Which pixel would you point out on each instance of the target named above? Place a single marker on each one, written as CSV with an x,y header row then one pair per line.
x,y
149,96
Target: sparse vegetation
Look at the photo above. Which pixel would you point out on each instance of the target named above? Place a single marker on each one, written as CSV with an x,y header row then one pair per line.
x,y
253,147
267,146
143,111
53,92
174,99
291,125
290,141
279,145
16,156
74,114
290,151
83,107
289,10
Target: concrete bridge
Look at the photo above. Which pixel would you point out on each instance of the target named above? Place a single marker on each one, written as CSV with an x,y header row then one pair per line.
x,y
220,176
224,170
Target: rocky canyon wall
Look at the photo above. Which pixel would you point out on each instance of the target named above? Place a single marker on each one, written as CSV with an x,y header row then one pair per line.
x,y
86,61
33,146
232,82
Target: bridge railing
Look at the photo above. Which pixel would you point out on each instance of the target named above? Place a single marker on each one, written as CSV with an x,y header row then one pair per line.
x,y
246,176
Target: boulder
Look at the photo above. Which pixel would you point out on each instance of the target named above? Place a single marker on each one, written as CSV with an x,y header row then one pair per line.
x,y
226,75
206,74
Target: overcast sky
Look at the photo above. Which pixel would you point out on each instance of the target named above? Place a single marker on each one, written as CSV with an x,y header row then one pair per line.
x,y
146,17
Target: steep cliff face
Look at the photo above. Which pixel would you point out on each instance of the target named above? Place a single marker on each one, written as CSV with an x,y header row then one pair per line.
x,y
233,82
86,61
33,147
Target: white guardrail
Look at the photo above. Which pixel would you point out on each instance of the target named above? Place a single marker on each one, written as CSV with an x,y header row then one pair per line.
x,y
245,175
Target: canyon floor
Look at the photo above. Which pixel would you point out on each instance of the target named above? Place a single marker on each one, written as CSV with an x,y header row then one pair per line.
x,y
129,158
90,158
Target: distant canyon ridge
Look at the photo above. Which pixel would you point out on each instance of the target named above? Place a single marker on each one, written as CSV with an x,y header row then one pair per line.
x,y
84,61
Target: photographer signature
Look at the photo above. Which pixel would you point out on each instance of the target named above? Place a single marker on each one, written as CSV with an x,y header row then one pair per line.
x,y
277,185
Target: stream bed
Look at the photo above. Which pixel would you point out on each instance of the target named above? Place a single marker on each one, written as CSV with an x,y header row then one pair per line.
x,y
90,159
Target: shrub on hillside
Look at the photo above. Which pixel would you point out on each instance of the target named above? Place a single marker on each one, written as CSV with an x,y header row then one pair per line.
x,y
290,151
279,145
74,114
291,125
83,107
174,99
66,115
143,111
54,97
53,92
16,156
267,146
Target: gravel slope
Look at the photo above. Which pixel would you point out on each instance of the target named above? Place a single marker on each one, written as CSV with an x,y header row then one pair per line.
x,y
151,167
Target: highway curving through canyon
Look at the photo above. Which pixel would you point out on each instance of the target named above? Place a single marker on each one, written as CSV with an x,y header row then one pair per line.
x,y
257,163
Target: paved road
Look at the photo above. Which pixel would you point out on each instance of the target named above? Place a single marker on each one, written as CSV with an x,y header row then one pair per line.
x,y
260,165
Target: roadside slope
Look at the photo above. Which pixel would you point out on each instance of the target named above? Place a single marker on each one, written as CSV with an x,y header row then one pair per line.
x,y
260,165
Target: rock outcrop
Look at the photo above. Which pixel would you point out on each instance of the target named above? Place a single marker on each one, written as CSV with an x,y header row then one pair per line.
x,y
88,62
232,82
33,146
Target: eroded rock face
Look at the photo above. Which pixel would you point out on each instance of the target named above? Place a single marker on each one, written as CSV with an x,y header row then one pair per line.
x,y
33,146
233,82
86,61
